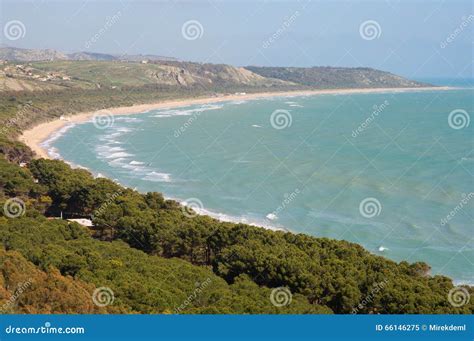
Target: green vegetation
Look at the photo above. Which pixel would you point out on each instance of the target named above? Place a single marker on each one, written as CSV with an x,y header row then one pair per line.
x,y
152,256
336,77
242,262
55,251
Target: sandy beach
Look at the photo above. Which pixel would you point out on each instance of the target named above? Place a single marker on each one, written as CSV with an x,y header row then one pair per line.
x,y
38,134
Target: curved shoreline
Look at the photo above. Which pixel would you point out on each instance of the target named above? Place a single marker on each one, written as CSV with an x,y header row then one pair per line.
x,y
42,132
34,137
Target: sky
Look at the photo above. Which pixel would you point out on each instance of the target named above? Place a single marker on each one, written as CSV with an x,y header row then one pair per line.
x,y
416,39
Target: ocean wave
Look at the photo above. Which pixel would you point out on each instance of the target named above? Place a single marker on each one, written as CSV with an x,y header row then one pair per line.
x,y
136,163
105,149
123,129
157,177
53,153
245,219
116,155
127,119
117,162
56,135
187,112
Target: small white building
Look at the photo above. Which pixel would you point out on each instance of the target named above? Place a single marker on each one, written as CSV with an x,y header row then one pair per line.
x,y
82,221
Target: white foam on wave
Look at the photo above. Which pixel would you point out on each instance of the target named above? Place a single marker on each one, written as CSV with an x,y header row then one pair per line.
x,y
256,126
123,130
116,155
157,177
136,163
127,119
463,282
117,162
248,220
186,112
296,105
53,153
271,216
107,150
56,135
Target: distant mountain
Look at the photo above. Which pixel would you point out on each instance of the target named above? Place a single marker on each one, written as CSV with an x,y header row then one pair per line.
x,y
326,77
23,55
34,55
89,56
33,69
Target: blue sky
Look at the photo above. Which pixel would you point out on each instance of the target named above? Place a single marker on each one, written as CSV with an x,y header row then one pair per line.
x,y
416,39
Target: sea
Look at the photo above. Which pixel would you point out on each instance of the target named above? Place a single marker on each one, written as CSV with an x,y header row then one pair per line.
x,y
390,171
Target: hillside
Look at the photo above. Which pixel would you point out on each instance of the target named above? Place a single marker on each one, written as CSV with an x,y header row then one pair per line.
x,y
336,77
30,55
86,74
153,257
33,70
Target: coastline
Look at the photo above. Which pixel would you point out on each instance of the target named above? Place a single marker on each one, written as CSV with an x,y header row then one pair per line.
x,y
35,136
39,134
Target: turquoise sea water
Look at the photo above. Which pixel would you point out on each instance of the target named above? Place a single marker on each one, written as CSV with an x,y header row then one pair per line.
x,y
389,171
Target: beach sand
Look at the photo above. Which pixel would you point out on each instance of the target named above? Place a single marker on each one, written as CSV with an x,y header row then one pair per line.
x,y
38,134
